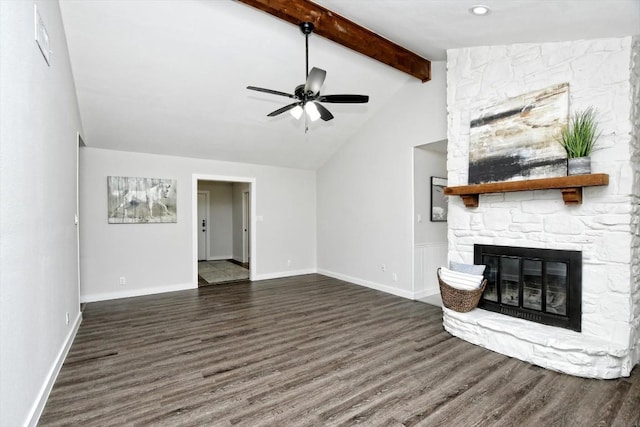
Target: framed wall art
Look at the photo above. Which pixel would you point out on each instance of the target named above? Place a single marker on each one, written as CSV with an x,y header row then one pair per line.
x,y
438,199
517,138
141,200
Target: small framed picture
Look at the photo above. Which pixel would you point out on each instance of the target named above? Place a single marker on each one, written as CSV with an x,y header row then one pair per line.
x,y
438,199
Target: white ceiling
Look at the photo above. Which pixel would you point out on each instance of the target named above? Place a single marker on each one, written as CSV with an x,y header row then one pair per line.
x,y
170,76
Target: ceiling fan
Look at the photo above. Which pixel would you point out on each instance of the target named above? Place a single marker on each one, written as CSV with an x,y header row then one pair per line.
x,y
307,95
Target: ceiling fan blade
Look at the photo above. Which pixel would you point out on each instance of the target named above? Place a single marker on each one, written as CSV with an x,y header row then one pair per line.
x,y
344,99
273,92
283,109
324,113
315,80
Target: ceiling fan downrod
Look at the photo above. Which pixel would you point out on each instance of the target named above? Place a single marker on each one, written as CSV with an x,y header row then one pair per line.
x,y
306,28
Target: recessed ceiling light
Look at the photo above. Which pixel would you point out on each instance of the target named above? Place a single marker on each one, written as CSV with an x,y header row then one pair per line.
x,y
480,10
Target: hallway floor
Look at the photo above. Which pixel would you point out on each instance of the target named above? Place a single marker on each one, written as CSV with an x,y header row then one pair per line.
x,y
215,272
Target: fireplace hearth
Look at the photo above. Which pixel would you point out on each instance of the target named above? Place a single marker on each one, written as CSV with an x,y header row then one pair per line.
x,y
539,285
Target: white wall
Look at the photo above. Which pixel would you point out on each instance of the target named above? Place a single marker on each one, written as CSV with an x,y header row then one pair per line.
x,y
220,221
159,257
365,191
38,247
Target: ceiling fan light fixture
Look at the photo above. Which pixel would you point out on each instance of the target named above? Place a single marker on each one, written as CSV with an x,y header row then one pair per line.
x,y
480,10
307,95
312,111
296,112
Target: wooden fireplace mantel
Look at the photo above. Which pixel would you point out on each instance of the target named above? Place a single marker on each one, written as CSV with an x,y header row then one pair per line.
x,y
570,186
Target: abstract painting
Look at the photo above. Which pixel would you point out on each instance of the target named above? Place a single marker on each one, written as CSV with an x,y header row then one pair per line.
x,y
517,139
141,200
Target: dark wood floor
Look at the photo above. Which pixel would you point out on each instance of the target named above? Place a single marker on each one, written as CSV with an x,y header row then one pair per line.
x,y
308,351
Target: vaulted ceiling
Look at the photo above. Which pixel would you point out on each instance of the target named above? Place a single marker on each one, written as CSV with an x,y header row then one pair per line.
x,y
170,76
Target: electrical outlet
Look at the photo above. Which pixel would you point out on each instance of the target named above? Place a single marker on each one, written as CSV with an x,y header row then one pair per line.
x,y
66,318
123,280
383,267
395,277
288,263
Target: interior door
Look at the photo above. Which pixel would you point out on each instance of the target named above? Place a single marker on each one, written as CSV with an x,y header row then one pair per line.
x,y
246,222
203,225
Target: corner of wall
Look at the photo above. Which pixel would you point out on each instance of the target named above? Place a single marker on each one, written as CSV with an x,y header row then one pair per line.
x,y
365,190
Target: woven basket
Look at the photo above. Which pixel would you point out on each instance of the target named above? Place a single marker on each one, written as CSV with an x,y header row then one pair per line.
x,y
458,299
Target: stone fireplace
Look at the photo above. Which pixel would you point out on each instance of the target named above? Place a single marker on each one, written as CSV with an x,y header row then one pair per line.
x,y
604,229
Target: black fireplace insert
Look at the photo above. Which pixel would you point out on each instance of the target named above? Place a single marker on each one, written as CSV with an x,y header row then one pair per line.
x,y
540,285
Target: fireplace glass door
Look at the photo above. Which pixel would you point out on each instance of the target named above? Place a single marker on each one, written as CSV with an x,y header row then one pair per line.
x,y
540,285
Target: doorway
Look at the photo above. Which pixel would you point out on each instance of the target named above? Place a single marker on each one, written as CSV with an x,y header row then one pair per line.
x,y
224,247
430,246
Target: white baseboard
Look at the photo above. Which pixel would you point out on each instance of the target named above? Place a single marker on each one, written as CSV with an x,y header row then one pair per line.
x,y
52,375
137,292
219,258
426,293
377,286
281,274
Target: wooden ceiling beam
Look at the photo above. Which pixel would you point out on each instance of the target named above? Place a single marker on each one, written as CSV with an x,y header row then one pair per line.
x,y
347,33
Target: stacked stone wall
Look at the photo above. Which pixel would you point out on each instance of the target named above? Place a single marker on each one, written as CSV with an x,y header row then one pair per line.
x,y
605,227
635,221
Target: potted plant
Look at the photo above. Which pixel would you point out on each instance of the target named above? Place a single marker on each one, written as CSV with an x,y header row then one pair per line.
x,y
579,139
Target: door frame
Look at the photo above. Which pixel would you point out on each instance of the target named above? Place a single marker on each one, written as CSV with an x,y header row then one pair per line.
x,y
80,143
206,236
194,219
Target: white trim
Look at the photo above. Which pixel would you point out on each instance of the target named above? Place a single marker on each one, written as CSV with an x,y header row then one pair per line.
x,y
280,274
194,218
138,292
426,293
220,258
412,225
80,143
430,245
52,375
420,252
377,286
